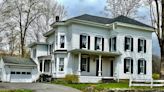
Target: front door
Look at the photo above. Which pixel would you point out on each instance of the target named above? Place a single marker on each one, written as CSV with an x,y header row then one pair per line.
x,y
97,67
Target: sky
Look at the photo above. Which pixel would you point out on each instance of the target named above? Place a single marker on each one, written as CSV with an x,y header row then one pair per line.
x,y
96,7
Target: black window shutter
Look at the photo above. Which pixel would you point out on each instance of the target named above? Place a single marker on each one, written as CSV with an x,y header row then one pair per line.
x,y
138,66
131,44
125,43
88,67
139,49
88,42
102,44
145,46
145,67
109,44
124,65
114,43
80,41
95,43
132,66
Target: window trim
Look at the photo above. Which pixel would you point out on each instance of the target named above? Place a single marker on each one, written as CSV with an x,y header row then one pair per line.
x,y
142,48
34,53
130,65
87,37
112,43
130,43
64,41
59,64
143,67
86,64
100,43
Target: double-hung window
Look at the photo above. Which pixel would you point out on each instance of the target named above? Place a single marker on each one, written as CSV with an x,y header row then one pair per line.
x,y
84,41
141,45
128,43
34,53
128,65
85,64
61,64
62,41
99,43
112,44
141,66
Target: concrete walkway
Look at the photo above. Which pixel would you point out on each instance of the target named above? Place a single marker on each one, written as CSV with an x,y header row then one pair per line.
x,y
38,87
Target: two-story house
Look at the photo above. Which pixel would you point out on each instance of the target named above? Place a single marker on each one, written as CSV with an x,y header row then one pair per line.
x,y
95,48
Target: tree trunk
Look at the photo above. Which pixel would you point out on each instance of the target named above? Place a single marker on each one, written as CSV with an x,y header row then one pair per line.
x,y
162,43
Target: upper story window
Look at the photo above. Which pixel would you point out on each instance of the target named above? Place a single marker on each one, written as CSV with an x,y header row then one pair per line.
x,y
128,65
51,46
141,66
99,43
62,41
61,64
112,44
128,43
84,41
142,45
34,53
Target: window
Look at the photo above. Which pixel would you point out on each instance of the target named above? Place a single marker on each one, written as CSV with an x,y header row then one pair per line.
x,y
51,46
84,41
141,45
34,53
128,65
85,64
17,72
62,41
23,72
141,66
40,65
128,44
112,44
61,64
12,72
28,73
99,43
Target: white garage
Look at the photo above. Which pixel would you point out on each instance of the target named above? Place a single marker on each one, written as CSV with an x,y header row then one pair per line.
x,y
15,69
21,75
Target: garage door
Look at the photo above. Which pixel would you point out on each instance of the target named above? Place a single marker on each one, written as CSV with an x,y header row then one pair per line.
x,y
18,75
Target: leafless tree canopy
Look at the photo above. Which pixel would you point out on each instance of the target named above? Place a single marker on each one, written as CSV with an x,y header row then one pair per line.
x,y
128,8
28,18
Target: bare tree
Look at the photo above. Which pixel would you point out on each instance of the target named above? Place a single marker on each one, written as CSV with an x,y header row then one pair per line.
x,y
127,8
24,14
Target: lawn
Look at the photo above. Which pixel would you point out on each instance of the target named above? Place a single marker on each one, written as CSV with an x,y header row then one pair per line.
x,y
19,90
102,86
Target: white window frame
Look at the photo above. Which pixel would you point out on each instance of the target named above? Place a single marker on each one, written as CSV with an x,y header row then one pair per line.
x,y
86,41
142,44
64,40
99,43
84,64
142,67
128,65
112,43
129,43
61,65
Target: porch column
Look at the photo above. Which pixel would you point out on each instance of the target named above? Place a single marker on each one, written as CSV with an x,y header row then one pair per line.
x,y
79,65
99,66
43,66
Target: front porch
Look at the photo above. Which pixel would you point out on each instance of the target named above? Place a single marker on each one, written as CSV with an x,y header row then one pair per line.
x,y
93,66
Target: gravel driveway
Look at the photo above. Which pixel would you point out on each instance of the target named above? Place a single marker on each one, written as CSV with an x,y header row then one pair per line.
x,y
38,87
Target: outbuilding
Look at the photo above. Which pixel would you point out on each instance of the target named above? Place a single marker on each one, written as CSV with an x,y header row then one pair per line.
x,y
16,69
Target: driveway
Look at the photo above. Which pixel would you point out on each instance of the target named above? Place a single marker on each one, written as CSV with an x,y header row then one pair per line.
x,y
38,87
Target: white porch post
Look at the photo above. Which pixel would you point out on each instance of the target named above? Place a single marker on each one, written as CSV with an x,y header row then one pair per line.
x,y
99,72
43,66
79,65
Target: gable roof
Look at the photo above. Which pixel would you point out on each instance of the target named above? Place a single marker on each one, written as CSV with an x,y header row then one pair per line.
x,y
103,20
18,60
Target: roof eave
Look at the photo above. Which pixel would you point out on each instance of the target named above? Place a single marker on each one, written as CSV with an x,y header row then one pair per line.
x,y
135,26
10,64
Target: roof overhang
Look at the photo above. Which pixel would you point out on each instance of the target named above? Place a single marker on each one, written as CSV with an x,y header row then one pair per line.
x,y
93,52
45,57
10,64
37,43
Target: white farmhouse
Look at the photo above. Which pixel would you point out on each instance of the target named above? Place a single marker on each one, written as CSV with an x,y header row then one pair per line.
x,y
95,48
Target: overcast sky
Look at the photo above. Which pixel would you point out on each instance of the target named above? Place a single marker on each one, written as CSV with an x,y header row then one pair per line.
x,y
95,7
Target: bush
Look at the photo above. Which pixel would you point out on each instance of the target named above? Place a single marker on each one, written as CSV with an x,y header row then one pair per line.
x,y
71,78
156,76
59,81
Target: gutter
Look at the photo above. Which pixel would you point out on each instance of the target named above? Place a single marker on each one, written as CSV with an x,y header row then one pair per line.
x,y
19,65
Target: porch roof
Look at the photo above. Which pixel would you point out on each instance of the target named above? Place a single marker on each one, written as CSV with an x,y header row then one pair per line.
x,y
93,52
45,57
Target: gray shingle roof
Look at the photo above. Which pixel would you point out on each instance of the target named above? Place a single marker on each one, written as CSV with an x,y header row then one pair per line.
x,y
104,20
18,60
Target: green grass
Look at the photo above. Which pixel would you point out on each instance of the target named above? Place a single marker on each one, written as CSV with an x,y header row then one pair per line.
x,y
19,90
101,86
